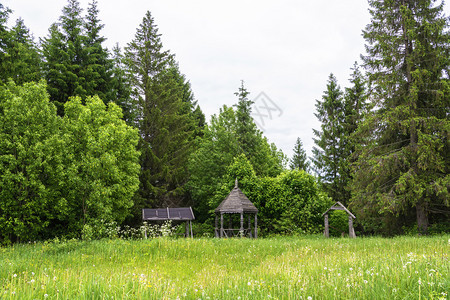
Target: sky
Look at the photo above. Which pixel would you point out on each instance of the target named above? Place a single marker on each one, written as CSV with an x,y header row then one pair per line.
x,y
284,50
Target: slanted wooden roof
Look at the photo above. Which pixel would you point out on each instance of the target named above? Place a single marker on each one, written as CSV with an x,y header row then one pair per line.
x,y
162,214
339,206
236,202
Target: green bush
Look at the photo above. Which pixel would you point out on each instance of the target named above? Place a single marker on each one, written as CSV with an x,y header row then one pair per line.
x,y
290,203
338,222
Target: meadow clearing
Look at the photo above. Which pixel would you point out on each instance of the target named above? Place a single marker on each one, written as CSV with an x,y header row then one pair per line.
x,y
309,267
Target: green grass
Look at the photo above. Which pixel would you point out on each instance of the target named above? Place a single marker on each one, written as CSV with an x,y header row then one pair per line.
x,y
279,268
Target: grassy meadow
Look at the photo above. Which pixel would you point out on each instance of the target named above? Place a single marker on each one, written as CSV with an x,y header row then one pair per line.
x,y
309,267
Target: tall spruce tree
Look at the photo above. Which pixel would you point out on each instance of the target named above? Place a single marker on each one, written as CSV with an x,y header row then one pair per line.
x,y
121,87
403,164
4,41
299,160
355,108
75,62
329,152
21,60
164,122
97,66
63,56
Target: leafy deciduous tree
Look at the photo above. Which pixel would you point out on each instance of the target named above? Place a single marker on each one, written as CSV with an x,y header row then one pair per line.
x,y
57,174
28,137
102,162
230,134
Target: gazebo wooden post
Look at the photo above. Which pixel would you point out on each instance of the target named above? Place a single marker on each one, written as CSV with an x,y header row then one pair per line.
x,y
241,230
351,230
186,231
216,230
249,227
327,230
221,225
256,225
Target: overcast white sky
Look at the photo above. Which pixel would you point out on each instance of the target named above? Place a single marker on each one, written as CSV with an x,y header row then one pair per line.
x,y
285,49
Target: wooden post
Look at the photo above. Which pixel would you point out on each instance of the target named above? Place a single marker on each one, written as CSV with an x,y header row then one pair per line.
x,y
351,230
186,231
242,225
256,225
249,227
216,230
327,230
190,224
221,225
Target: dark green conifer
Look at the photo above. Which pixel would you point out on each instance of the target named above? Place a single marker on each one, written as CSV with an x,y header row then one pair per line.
x,y
329,152
97,66
64,56
299,160
403,165
164,118
21,61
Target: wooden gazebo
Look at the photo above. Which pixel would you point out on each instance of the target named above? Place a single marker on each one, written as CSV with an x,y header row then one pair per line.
x,y
339,206
236,203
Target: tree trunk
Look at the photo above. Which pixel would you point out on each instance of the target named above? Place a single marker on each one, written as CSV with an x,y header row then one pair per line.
x,y
422,217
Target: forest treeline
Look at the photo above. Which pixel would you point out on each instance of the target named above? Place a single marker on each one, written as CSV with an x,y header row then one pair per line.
x,y
90,135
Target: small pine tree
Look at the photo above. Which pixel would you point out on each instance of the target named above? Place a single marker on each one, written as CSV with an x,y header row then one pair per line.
x,y
246,129
299,160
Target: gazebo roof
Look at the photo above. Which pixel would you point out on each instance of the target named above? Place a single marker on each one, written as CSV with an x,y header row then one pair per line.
x,y
236,202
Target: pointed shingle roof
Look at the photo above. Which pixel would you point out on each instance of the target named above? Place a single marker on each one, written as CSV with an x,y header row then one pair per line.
x,y
236,202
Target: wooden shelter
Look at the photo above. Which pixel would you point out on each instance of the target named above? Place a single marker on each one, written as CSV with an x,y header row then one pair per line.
x,y
339,206
236,203
173,214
